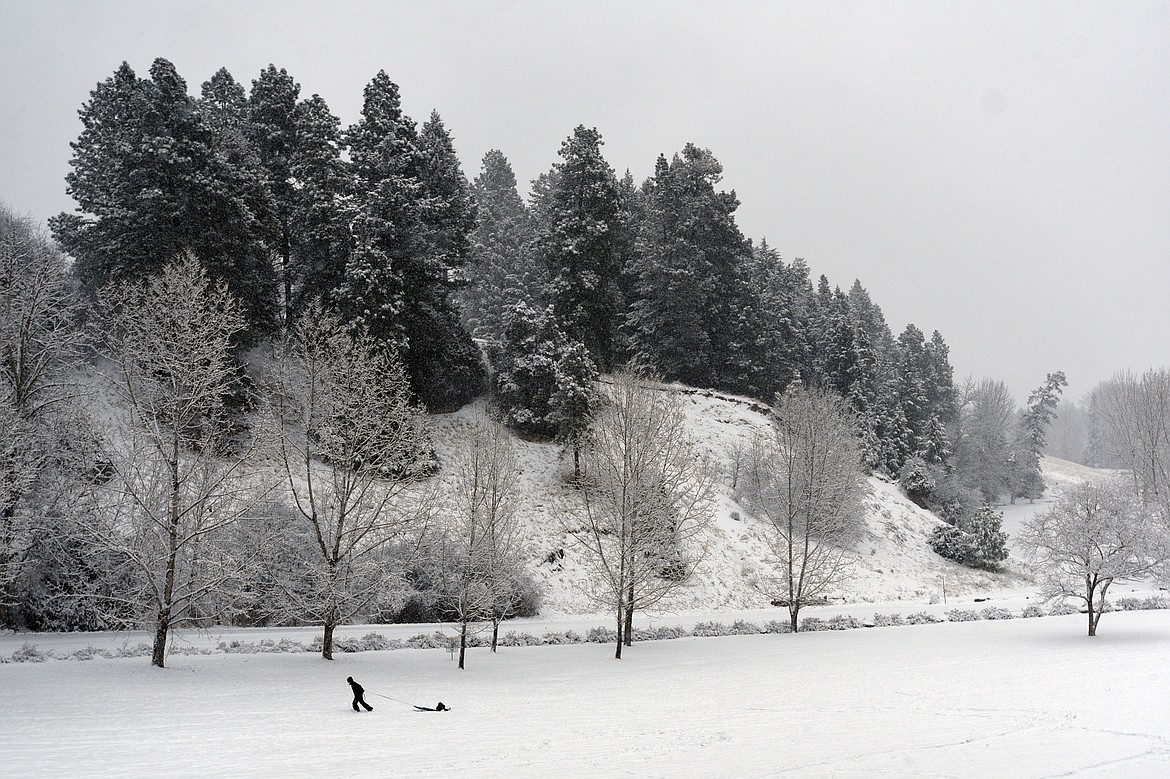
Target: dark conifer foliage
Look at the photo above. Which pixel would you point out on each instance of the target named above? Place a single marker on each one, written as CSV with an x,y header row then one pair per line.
x,y
502,270
153,179
409,236
543,378
272,127
693,316
322,208
578,242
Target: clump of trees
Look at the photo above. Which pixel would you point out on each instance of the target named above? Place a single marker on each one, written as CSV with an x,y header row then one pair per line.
x,y
380,283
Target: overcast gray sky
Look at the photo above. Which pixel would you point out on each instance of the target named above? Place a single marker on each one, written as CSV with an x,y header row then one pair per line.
x,y
997,171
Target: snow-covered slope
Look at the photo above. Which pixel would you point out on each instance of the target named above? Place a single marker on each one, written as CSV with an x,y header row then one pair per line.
x,y
893,559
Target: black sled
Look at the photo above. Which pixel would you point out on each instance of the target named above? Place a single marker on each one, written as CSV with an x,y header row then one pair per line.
x,y
440,707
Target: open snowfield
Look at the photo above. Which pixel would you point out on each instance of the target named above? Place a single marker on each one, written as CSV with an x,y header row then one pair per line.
x,y
1018,698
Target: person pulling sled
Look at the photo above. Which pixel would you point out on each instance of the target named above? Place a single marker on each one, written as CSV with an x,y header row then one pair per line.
x,y
359,694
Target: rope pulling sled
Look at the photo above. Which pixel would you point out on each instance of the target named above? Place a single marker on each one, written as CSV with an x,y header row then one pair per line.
x,y
439,707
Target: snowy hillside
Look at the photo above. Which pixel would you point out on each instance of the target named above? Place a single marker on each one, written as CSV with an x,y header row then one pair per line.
x,y
893,560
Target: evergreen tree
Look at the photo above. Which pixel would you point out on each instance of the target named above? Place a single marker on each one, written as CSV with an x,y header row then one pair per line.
x,y
152,180
1027,481
322,207
451,211
577,240
398,280
544,380
693,317
272,123
502,271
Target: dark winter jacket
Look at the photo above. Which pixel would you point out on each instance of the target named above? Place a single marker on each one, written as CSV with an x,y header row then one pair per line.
x,y
358,690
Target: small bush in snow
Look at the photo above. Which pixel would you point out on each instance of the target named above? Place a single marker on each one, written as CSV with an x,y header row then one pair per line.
x,y
1143,604
843,622
709,629
888,620
512,638
813,625
962,615
921,618
436,640
565,637
777,626
660,633
600,635
89,653
30,654
1031,611
996,612
742,628
1061,609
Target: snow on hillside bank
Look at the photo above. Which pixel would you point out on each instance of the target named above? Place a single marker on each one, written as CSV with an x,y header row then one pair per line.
x,y
893,560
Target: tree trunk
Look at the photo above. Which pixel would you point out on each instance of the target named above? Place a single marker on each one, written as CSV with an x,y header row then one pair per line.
x,y
629,636
495,632
286,272
618,654
159,655
327,641
793,613
462,643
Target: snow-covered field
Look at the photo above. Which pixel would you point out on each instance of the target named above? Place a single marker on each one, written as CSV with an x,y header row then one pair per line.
x,y
1018,698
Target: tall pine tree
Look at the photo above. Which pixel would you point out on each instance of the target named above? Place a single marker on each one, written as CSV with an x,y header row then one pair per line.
x,y
577,241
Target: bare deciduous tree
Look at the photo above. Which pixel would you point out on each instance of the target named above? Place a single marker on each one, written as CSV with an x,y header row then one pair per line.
x,y
38,338
178,483
647,498
352,449
804,481
1131,428
1094,534
483,533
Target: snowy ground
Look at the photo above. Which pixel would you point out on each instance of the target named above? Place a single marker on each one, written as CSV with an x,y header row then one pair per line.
x,y
1019,698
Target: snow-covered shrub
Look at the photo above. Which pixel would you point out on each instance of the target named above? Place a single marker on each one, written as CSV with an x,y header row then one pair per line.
x,y
979,542
31,654
1143,604
141,649
89,653
921,618
996,612
777,626
916,482
813,625
742,628
709,629
601,635
888,620
962,615
947,541
1032,610
562,637
843,622
512,638
660,633
436,640
1061,609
